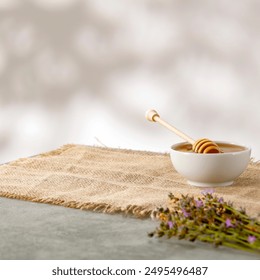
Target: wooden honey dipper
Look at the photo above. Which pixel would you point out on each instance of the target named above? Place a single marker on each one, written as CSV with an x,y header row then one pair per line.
x,y
203,145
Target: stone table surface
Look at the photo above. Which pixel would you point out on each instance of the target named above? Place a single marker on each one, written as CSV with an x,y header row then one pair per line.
x,y
34,231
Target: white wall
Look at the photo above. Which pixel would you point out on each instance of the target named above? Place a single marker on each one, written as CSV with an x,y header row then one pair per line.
x,y
86,72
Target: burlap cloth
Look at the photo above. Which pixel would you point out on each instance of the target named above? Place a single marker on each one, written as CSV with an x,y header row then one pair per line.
x,y
112,181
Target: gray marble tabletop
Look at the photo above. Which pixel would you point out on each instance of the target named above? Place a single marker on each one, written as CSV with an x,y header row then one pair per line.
x,y
34,231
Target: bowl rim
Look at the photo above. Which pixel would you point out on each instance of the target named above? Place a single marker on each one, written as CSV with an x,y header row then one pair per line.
x,y
247,149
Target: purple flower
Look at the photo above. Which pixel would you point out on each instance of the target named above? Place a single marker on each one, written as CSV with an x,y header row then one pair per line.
x,y
185,213
207,191
228,223
221,200
170,224
251,239
199,203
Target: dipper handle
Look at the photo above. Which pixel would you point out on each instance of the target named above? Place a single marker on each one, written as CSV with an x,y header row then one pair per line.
x,y
153,116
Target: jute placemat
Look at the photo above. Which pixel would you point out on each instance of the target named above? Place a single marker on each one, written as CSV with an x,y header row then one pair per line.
x,y
112,181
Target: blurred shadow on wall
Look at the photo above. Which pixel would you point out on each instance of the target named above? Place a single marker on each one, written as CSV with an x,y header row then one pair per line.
x,y
71,71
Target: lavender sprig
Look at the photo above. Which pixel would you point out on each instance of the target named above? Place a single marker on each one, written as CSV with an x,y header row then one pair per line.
x,y
208,219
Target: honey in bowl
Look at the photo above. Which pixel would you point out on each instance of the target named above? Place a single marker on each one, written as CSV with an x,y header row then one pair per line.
x,y
224,147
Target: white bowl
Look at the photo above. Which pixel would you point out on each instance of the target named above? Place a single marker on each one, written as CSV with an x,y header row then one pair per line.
x,y
210,170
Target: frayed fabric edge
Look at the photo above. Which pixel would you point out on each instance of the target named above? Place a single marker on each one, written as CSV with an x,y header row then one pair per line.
x,y
131,210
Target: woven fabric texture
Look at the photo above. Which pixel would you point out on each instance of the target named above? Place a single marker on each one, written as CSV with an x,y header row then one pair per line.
x,y
113,181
